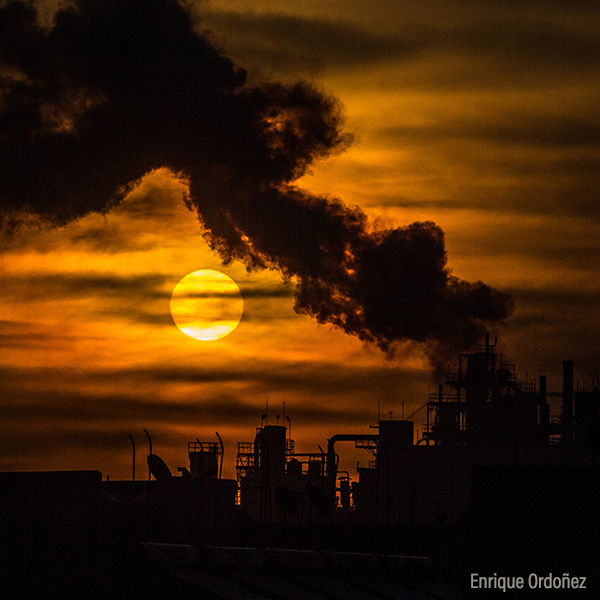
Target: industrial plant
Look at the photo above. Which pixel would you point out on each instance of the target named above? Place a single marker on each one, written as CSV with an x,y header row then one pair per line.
x,y
496,484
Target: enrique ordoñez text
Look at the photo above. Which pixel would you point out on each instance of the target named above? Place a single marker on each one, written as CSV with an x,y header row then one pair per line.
x,y
534,581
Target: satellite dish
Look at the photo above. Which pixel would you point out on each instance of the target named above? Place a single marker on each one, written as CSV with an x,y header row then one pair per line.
x,y
158,468
286,500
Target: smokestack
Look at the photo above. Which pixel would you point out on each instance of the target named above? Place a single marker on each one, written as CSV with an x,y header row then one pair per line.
x,y
567,413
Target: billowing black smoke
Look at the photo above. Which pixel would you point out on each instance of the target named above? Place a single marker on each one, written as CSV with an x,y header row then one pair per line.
x,y
117,88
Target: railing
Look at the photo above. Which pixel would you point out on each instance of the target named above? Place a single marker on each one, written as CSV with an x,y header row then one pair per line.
x,y
245,448
446,397
245,461
365,444
528,387
204,447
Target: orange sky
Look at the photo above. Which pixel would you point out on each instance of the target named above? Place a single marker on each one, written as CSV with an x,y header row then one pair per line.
x,y
91,352
481,118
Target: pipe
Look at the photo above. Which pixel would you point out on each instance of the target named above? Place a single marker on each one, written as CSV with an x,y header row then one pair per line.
x,y
222,453
331,468
150,442
133,444
323,461
544,407
567,416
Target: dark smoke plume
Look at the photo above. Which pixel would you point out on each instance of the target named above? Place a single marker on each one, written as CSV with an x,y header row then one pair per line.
x,y
117,88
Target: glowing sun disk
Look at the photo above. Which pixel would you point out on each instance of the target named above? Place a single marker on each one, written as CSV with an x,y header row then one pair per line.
x,y
207,305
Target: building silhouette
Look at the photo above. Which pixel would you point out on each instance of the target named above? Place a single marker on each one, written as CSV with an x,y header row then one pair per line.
x,y
495,485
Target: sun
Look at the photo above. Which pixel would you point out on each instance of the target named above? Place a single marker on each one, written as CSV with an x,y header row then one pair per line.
x,y
207,305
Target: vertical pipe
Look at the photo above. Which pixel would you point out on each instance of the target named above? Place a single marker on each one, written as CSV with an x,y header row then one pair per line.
x,y
201,461
150,442
323,464
567,416
222,453
459,376
544,408
133,444
440,417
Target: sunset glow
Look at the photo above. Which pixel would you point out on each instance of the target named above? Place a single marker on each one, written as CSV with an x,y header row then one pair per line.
x,y
478,122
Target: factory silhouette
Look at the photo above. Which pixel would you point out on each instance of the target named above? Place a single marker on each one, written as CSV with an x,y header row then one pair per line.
x,y
496,485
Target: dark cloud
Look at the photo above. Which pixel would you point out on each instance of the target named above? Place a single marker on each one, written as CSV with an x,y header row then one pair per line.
x,y
555,323
519,42
542,163
305,378
396,286
579,301
522,130
287,42
537,42
99,412
102,410
37,396
25,335
136,298
118,88
251,291
61,285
